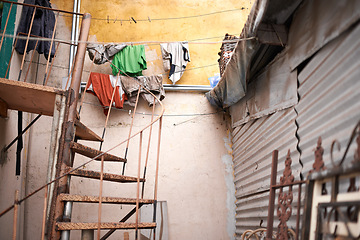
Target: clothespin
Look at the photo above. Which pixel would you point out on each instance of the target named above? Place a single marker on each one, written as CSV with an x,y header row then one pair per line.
x,y
107,18
115,19
130,20
133,19
149,19
121,22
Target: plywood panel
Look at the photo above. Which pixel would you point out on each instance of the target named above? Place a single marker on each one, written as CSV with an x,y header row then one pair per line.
x,y
28,97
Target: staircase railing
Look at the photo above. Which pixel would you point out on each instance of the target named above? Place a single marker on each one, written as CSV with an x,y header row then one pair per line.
x,y
76,73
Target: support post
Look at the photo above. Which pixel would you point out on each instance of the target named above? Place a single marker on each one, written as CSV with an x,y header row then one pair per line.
x,y
68,131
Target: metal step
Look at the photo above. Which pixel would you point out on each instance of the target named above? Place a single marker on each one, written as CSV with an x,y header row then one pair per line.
x,y
91,153
84,133
106,176
63,226
95,199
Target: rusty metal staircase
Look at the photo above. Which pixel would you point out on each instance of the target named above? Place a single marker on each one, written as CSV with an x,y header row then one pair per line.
x,y
67,130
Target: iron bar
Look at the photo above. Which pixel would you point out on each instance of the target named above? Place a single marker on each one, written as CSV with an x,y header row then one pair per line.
x,y
27,43
41,7
270,217
157,160
12,53
148,150
16,204
124,219
131,126
138,189
52,63
108,113
51,45
31,59
44,214
23,131
298,214
276,186
100,196
6,23
86,87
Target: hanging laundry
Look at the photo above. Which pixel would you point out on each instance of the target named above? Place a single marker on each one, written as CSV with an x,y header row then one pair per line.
x,y
154,85
43,26
175,58
130,60
151,83
102,86
103,53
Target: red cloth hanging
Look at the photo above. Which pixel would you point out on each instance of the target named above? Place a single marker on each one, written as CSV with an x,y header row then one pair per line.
x,y
103,90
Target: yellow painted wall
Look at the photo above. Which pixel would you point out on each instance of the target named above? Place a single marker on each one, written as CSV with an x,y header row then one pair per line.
x,y
212,27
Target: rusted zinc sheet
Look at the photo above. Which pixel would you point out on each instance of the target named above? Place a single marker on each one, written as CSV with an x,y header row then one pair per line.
x,y
316,23
329,104
272,90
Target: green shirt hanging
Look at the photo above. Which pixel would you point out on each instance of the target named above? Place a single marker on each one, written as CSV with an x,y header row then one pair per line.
x,y
130,60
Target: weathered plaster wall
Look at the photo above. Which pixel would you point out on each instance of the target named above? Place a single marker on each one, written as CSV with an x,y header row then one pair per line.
x,y
210,28
195,177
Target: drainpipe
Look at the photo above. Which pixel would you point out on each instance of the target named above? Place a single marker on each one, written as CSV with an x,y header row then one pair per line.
x,y
74,32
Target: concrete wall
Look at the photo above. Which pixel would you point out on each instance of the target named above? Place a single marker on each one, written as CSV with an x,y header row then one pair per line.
x,y
195,177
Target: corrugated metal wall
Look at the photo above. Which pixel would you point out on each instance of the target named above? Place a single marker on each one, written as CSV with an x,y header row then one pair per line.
x,y
253,144
329,106
329,91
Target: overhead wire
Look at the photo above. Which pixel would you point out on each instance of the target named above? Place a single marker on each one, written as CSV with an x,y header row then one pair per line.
x,y
149,19
197,41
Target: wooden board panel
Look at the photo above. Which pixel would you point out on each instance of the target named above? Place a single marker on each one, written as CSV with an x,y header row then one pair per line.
x,y
28,97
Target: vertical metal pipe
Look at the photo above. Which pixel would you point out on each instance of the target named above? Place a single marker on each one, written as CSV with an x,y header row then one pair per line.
x,y
270,218
44,213
138,189
16,204
65,235
6,23
100,196
73,27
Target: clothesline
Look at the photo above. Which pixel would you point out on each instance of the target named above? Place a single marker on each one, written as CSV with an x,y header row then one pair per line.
x,y
148,19
127,43
163,74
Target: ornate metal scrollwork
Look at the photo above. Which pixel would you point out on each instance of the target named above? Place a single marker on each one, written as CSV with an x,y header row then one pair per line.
x,y
285,199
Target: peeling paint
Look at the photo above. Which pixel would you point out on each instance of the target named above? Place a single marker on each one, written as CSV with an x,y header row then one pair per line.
x,y
227,159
